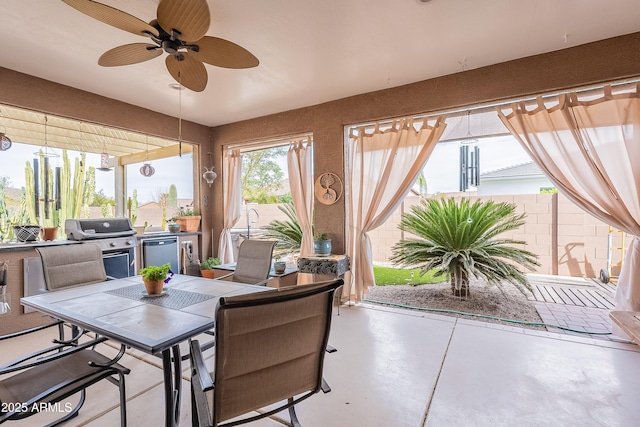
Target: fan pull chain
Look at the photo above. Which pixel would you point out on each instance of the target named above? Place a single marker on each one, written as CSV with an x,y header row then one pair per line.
x,y
180,115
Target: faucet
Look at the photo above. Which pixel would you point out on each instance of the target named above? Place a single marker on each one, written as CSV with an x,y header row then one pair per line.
x,y
250,221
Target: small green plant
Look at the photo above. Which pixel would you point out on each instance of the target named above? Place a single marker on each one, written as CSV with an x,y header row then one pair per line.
x,y
322,236
209,263
155,272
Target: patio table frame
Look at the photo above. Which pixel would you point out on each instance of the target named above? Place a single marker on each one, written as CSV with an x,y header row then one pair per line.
x,y
140,323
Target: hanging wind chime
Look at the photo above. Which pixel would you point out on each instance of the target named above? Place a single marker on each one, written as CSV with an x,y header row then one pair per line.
x,y
50,182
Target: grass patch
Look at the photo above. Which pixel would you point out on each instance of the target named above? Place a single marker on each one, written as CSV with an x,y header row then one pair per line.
x,y
397,276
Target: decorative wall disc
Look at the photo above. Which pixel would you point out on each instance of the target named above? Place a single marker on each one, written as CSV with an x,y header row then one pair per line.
x,y
328,188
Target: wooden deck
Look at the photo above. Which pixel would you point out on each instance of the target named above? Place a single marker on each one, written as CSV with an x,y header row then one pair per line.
x,y
572,291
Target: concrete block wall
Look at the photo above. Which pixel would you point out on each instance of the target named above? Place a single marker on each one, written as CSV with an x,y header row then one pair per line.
x,y
567,240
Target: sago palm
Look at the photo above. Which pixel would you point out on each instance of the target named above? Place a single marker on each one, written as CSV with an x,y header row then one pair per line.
x,y
461,239
288,232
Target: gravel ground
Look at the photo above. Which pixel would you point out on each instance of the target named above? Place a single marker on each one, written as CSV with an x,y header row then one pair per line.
x,y
504,302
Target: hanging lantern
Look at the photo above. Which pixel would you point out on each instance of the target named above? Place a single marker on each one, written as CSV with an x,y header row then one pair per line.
x,y
104,157
4,140
104,162
147,170
209,175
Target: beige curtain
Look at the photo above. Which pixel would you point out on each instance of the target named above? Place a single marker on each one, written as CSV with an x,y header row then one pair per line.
x,y
232,194
383,165
299,162
591,151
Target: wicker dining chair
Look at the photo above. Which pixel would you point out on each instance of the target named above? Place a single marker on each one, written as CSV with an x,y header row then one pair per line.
x,y
270,348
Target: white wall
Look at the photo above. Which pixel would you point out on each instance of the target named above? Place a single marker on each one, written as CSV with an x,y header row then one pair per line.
x,y
500,187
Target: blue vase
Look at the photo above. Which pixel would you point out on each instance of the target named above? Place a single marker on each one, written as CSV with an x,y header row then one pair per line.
x,y
322,247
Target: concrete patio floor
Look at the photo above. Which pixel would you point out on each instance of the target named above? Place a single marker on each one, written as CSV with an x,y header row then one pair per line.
x,y
397,367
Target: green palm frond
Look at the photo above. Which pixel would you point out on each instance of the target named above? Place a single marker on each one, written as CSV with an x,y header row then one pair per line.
x,y
460,239
288,232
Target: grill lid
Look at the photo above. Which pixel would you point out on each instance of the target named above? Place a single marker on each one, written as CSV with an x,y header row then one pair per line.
x,y
98,228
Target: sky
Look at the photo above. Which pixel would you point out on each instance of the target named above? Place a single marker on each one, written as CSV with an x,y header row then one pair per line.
x,y
169,171
441,170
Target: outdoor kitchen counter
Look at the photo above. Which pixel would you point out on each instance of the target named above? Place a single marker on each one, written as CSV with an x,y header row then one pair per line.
x,y
153,234
14,254
28,246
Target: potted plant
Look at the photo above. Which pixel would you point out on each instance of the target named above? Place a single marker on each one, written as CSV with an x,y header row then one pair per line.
x,y
188,218
173,226
322,244
279,266
206,267
154,277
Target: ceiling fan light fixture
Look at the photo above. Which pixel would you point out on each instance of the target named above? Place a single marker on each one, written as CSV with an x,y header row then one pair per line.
x,y
178,31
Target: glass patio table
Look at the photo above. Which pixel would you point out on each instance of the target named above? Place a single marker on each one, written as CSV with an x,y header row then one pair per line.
x,y
118,310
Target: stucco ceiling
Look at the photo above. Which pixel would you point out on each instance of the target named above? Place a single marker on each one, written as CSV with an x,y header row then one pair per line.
x,y
310,51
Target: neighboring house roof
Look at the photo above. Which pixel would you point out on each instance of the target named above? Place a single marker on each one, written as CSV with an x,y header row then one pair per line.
x,y
524,170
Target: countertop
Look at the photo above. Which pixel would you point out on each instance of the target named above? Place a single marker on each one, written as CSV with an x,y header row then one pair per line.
x,y
25,246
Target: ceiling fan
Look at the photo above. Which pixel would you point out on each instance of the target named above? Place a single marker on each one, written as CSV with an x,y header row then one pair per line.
x,y
179,30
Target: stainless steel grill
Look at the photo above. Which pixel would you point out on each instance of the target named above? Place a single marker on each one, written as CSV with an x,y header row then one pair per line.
x,y
115,236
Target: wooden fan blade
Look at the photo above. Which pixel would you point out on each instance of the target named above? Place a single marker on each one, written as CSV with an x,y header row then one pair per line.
x,y
129,54
223,53
189,72
114,17
190,17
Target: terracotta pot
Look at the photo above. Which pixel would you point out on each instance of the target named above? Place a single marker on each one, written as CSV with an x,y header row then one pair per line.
x,y
208,274
49,233
153,287
189,223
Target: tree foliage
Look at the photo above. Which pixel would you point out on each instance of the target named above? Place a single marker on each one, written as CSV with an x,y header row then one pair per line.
x,y
261,175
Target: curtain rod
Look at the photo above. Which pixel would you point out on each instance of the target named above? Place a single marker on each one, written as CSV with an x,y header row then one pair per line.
x,y
490,106
268,143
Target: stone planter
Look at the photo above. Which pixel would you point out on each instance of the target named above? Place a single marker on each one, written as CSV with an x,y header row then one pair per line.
x,y
189,223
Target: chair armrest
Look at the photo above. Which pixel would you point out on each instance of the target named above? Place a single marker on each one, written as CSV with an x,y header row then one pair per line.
x,y
28,331
198,367
59,353
263,283
225,276
200,383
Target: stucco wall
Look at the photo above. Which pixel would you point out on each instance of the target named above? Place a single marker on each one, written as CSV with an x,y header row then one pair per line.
x,y
603,61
